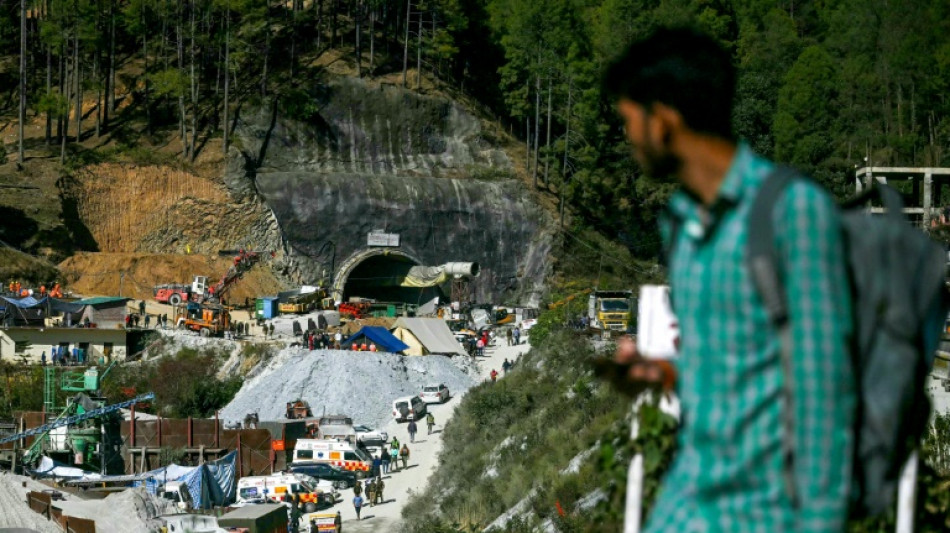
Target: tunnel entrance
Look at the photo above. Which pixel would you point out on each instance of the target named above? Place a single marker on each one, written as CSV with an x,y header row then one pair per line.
x,y
377,275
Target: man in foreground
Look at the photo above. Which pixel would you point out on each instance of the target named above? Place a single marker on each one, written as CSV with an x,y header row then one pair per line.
x,y
674,91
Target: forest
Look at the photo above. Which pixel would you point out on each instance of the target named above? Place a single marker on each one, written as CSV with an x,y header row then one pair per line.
x,y
824,85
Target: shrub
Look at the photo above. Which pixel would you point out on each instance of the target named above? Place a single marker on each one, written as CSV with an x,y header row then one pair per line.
x,y
185,385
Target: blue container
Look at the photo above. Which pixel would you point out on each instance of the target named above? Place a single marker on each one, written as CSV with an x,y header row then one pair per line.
x,y
266,307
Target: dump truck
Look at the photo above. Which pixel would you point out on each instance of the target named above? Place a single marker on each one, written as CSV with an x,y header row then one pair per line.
x,y
609,311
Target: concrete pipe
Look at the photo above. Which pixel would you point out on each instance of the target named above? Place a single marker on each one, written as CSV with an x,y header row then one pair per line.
x,y
462,269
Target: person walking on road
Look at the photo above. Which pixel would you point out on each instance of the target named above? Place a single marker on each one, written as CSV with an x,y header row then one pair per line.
x,y
371,491
358,505
413,428
494,375
430,421
379,491
506,366
384,460
377,466
394,459
404,455
358,488
508,336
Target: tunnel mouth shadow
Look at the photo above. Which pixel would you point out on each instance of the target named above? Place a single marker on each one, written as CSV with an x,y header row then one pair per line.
x,y
378,276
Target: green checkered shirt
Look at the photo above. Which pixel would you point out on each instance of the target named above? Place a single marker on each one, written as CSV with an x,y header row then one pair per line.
x,y
728,474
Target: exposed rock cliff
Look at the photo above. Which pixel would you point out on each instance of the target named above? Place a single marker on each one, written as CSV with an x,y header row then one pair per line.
x,y
370,158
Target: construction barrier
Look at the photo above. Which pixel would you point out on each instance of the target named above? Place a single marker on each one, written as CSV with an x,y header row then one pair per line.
x,y
42,503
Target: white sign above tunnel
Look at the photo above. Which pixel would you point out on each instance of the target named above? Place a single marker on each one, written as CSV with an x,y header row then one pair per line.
x,y
378,238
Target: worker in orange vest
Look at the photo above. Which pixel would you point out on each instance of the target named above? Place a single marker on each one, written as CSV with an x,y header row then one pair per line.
x,y
42,290
364,347
355,347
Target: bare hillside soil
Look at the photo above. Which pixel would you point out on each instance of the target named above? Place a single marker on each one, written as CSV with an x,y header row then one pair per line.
x,y
89,273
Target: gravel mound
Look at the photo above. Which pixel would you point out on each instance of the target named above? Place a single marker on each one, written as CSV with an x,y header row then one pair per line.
x,y
129,511
14,512
361,385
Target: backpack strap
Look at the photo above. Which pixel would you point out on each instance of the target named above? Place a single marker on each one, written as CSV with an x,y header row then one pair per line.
x,y
763,260
764,268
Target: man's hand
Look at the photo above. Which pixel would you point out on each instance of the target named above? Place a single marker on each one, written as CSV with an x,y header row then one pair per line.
x,y
631,373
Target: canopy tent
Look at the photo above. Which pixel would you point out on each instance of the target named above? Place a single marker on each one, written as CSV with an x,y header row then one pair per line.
x,y
427,336
384,340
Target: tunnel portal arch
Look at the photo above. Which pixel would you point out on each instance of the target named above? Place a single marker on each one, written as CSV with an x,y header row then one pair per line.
x,y
372,270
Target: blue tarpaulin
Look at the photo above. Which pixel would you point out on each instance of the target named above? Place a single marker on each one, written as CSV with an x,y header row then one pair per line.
x,y
50,304
25,303
384,340
211,484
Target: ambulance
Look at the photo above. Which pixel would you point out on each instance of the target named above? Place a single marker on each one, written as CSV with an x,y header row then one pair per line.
x,y
339,453
281,486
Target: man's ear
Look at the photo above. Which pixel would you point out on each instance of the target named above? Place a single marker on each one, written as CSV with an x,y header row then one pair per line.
x,y
670,120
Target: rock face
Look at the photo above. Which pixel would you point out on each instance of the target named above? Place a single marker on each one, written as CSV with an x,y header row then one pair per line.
x,y
365,159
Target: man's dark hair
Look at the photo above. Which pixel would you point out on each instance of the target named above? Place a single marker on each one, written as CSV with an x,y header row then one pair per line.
x,y
683,69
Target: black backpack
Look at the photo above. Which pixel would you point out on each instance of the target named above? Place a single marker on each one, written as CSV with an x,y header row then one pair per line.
x,y
899,302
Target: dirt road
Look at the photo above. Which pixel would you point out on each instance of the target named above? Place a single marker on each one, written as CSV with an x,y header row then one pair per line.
x,y
423,455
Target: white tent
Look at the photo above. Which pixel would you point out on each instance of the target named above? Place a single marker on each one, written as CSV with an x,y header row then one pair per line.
x,y
427,336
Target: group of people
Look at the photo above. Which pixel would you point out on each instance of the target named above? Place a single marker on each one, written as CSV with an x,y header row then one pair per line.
x,y
386,462
61,355
132,320
374,494
477,344
513,336
19,291
237,329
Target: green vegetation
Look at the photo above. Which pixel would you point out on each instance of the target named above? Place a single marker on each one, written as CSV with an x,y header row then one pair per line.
x,y
522,432
822,85
185,384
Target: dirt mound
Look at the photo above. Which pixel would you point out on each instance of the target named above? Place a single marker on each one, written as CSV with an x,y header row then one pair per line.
x,y
134,275
353,326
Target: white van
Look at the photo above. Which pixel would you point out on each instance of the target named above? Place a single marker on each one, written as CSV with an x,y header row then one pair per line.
x,y
409,408
280,487
339,453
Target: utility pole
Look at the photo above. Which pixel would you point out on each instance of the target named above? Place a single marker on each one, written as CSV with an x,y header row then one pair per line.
x,y
22,77
405,50
419,56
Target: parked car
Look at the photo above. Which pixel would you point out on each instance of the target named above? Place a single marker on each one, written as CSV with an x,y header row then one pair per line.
x,y
341,479
435,393
409,408
369,436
